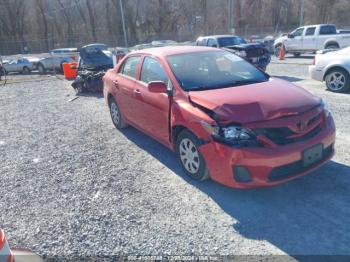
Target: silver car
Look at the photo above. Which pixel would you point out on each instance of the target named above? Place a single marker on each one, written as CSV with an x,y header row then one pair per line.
x,y
332,68
22,65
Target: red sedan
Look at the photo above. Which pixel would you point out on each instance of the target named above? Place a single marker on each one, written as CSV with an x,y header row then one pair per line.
x,y
225,119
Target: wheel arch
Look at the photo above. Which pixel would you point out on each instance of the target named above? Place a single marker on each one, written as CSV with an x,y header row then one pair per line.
x,y
330,68
331,42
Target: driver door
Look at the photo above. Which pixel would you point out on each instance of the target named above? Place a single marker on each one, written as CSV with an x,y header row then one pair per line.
x,y
152,109
296,42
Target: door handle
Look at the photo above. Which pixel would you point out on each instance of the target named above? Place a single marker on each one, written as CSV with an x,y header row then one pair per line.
x,y
115,82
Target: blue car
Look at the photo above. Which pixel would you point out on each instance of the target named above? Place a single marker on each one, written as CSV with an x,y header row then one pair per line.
x,y
255,53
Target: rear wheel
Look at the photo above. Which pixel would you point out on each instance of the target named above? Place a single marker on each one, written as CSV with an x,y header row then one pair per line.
x,y
41,69
191,159
338,80
116,115
332,46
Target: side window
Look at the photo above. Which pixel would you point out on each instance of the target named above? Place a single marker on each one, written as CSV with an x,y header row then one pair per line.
x,y
212,43
310,31
328,30
130,66
152,70
299,32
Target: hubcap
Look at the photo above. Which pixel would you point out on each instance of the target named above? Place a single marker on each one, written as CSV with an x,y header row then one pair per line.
x,y
335,81
115,113
189,156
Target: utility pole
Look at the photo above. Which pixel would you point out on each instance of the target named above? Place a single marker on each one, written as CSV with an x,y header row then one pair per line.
x,y
123,21
229,15
302,6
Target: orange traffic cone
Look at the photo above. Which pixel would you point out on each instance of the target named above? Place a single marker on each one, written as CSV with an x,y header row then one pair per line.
x,y
282,53
5,251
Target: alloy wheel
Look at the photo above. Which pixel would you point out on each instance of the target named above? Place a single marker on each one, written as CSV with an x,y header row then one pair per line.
x,y
336,81
189,156
115,113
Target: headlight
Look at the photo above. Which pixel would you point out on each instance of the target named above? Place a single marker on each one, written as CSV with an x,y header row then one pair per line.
x,y
232,135
324,105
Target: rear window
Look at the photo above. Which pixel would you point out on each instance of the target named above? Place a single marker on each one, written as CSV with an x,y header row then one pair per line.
x,y
328,30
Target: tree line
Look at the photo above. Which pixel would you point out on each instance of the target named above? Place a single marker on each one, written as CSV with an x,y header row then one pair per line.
x,y
41,25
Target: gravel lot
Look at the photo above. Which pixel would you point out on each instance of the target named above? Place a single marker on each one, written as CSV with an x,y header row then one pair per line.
x,y
71,184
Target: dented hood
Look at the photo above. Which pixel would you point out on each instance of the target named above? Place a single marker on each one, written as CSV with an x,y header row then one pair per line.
x,y
256,102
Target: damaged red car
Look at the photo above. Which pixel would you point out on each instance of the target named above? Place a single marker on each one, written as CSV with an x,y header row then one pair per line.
x,y
225,119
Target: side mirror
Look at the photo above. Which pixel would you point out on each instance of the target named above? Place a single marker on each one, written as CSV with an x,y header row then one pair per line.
x,y
214,46
157,87
290,36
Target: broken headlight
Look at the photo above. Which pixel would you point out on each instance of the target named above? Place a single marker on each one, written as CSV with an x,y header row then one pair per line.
x,y
232,135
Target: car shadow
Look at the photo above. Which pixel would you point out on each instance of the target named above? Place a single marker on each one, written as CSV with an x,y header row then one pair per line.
x,y
96,94
309,215
290,78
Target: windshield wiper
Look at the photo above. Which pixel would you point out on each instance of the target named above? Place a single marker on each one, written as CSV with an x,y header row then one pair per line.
x,y
231,84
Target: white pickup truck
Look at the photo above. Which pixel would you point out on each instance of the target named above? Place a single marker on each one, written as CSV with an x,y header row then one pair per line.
x,y
311,38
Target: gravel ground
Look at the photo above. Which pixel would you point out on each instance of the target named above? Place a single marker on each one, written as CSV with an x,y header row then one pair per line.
x,y
71,184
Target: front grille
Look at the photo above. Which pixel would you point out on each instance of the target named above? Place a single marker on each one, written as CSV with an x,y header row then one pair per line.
x,y
280,135
284,135
293,169
257,52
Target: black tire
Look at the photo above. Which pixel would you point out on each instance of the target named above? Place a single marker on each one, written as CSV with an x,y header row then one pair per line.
x,y
332,46
116,115
79,88
277,50
343,76
25,70
297,55
41,68
61,67
199,173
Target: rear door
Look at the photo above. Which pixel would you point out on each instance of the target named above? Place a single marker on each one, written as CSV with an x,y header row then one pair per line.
x,y
152,109
124,84
309,41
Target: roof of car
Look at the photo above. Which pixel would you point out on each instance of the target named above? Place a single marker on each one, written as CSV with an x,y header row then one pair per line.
x,y
174,50
218,36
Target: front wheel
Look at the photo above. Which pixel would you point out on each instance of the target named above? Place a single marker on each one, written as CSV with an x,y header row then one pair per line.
x,y
338,80
191,159
25,70
116,115
41,69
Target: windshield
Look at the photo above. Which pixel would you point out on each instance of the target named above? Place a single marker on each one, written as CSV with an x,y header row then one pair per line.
x,y
228,41
212,70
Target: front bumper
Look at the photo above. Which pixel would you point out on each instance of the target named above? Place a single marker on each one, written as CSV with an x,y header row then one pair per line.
x,y
315,73
265,165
